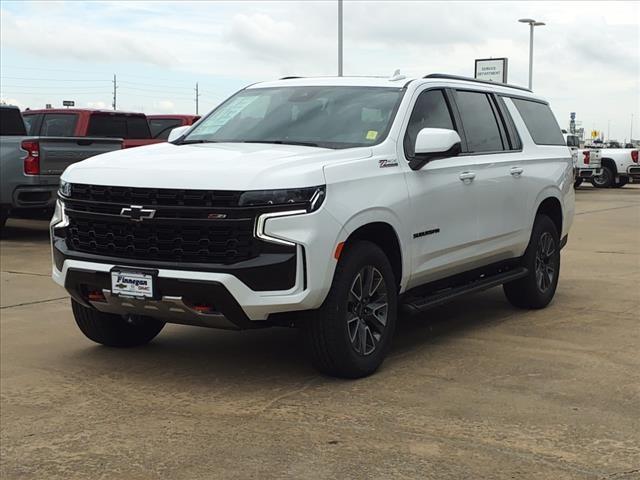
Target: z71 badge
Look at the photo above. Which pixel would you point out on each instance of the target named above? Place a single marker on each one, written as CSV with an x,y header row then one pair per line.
x,y
387,163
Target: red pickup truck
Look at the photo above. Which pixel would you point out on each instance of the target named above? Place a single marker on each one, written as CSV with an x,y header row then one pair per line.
x,y
161,125
80,122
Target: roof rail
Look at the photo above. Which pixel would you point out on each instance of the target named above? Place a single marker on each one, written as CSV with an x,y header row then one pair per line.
x,y
288,78
469,79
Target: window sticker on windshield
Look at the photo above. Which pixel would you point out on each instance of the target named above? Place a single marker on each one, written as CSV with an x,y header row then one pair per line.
x,y
372,135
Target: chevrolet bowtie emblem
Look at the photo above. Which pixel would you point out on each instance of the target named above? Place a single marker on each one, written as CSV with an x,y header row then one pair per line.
x,y
137,213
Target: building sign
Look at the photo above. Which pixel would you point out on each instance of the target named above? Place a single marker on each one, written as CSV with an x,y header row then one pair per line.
x,y
492,69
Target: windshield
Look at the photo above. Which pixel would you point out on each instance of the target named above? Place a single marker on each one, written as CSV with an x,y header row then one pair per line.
x,y
329,117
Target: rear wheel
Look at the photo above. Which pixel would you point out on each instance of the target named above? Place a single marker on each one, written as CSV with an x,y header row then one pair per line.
x,y
620,182
4,215
350,334
115,330
542,259
605,179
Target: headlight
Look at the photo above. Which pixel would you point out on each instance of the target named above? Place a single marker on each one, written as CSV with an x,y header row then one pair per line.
x,y
311,196
65,188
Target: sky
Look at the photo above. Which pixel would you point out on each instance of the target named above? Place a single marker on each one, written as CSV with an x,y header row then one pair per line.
x,y
586,57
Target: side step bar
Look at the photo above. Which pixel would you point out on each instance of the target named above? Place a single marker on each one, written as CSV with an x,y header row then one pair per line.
x,y
420,303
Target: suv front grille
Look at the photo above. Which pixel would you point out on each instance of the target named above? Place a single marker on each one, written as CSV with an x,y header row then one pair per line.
x,y
193,233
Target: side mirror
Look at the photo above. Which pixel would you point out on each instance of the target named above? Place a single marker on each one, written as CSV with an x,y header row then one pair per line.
x,y
433,144
177,132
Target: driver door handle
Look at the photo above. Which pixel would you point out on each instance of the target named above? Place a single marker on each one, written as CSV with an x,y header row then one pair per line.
x,y
516,171
467,177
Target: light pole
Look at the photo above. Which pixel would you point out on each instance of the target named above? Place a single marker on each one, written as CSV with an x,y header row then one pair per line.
x,y
339,38
532,23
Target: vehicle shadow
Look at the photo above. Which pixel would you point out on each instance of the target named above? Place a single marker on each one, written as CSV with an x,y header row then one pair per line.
x,y
19,230
192,355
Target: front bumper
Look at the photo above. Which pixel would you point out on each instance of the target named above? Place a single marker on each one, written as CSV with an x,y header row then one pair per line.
x,y
240,303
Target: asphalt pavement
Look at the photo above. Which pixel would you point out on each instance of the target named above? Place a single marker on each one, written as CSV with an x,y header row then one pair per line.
x,y
471,390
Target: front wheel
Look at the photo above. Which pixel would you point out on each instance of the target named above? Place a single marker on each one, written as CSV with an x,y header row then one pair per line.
x,y
604,180
350,334
542,259
115,330
577,182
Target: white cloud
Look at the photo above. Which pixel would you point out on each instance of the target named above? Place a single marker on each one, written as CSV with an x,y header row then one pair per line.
x,y
587,57
98,104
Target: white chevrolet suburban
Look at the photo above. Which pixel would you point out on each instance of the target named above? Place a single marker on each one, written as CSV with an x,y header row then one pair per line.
x,y
323,203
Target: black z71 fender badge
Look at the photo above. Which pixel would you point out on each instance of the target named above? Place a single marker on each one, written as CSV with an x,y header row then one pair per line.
x,y
387,163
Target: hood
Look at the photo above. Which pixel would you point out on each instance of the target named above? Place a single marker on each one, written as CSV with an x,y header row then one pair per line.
x,y
211,166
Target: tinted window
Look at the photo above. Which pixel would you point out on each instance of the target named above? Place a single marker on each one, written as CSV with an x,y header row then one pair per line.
x,y
59,125
573,141
30,122
11,122
479,122
161,127
430,111
137,127
118,126
540,122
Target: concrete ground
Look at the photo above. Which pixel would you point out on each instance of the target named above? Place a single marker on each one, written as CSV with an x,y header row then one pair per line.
x,y
474,389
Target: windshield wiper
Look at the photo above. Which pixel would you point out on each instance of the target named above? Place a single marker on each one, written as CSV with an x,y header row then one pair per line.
x,y
190,142
283,142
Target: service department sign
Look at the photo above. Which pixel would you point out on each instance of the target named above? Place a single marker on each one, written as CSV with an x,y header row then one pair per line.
x,y
492,69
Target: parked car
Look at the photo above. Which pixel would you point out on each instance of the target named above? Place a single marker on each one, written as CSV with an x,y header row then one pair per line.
x,y
323,203
619,166
586,161
30,167
78,122
161,125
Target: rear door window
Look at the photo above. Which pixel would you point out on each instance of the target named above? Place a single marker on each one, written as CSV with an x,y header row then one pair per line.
x,y
479,122
118,126
114,126
11,122
137,127
540,122
59,125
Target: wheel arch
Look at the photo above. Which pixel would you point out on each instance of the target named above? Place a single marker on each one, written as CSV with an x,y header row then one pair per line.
x,y
551,206
609,162
383,235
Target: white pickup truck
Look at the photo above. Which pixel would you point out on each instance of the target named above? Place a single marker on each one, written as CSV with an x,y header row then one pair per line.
x,y
619,166
323,203
586,161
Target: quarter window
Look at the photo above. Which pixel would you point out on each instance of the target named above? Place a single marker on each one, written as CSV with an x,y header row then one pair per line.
x,y
430,111
540,122
479,121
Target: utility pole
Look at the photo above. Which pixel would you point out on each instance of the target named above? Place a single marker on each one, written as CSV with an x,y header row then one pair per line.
x,y
608,130
532,23
339,38
631,130
115,87
197,95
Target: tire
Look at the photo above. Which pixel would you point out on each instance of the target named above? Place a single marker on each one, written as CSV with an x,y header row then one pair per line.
x,y
345,337
605,179
115,330
4,215
577,182
542,258
620,182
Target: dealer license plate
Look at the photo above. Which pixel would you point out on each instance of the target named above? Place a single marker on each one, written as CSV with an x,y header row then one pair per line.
x,y
134,284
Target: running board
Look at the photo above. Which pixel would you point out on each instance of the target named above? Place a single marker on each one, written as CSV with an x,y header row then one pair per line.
x,y
420,303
